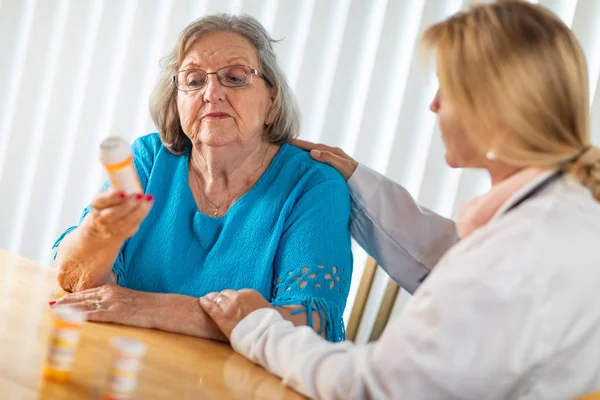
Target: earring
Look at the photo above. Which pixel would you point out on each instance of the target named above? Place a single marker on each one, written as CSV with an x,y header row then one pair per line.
x,y
490,155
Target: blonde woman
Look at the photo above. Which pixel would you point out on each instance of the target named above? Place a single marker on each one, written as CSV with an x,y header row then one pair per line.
x,y
511,310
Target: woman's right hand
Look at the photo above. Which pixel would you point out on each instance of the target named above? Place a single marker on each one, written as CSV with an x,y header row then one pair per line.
x,y
116,216
333,156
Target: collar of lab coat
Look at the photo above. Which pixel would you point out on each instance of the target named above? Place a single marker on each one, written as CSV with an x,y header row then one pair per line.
x,y
523,192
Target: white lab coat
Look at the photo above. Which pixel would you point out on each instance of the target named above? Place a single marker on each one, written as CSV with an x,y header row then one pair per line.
x,y
510,312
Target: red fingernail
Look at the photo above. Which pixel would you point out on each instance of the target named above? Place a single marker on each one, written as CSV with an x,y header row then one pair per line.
x,y
139,196
122,195
149,197
52,303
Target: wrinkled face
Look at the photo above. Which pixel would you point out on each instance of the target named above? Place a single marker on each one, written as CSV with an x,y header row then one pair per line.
x,y
216,115
460,151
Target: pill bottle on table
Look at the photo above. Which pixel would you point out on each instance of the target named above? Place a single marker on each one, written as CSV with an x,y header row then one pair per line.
x,y
127,355
117,158
64,337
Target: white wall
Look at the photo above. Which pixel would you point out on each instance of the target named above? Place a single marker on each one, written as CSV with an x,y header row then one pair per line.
x,y
75,71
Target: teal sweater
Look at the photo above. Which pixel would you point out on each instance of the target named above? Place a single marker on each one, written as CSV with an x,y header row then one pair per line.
x,y
288,237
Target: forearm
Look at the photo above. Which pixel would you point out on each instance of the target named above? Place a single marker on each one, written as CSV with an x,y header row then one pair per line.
x,y
183,314
84,260
289,352
405,239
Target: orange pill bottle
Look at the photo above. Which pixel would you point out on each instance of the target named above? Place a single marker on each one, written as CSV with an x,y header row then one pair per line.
x,y
64,337
117,158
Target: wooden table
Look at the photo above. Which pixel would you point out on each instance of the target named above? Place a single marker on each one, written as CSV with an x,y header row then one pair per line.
x,y
175,367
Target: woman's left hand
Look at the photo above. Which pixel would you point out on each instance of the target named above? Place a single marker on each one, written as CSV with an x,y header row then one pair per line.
x,y
112,303
229,307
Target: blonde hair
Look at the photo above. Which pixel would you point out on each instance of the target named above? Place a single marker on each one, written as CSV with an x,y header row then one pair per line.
x,y
163,103
514,67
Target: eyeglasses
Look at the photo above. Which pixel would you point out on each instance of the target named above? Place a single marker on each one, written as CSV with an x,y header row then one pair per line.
x,y
235,76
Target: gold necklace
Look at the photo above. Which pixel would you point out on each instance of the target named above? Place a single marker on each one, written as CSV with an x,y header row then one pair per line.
x,y
217,208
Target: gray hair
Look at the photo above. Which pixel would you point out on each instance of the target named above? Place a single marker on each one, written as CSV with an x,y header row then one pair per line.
x,y
163,103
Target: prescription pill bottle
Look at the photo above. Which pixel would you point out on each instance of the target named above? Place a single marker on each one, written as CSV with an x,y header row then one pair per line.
x,y
127,355
64,336
117,158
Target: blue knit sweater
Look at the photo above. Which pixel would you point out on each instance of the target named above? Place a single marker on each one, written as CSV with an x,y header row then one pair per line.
x,y
288,237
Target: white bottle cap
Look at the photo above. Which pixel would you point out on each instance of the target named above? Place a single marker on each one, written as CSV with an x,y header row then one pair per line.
x,y
113,150
128,347
69,314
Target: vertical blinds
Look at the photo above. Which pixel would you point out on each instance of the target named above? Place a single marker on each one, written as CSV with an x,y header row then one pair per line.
x,y
73,72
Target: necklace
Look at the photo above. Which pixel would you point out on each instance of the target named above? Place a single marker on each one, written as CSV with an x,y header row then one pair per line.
x,y
216,212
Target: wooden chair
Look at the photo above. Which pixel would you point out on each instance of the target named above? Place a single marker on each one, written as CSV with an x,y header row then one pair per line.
x,y
591,396
385,308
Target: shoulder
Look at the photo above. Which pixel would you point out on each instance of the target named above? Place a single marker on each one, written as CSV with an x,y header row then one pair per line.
x,y
308,172
536,240
304,184
147,146
564,214
149,151
150,156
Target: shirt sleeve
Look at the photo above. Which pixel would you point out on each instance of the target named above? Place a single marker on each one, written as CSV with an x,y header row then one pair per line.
x,y
143,159
313,262
405,239
450,342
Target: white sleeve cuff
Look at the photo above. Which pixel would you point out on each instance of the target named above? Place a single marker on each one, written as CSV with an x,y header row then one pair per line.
x,y
363,184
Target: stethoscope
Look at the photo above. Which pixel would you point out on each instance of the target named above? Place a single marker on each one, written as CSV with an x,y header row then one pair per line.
x,y
536,189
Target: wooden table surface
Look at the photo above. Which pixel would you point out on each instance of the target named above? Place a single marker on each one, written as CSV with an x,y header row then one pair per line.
x,y
175,366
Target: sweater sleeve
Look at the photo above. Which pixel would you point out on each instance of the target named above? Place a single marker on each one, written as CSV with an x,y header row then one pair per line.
x,y
313,263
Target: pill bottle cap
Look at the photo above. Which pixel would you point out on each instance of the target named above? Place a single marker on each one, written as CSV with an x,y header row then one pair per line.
x,y
114,150
69,314
128,347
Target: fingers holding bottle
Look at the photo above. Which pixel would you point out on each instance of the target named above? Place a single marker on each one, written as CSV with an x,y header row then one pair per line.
x,y
116,215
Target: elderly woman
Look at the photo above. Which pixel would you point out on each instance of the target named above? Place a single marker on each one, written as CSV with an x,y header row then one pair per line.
x,y
508,311
230,204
